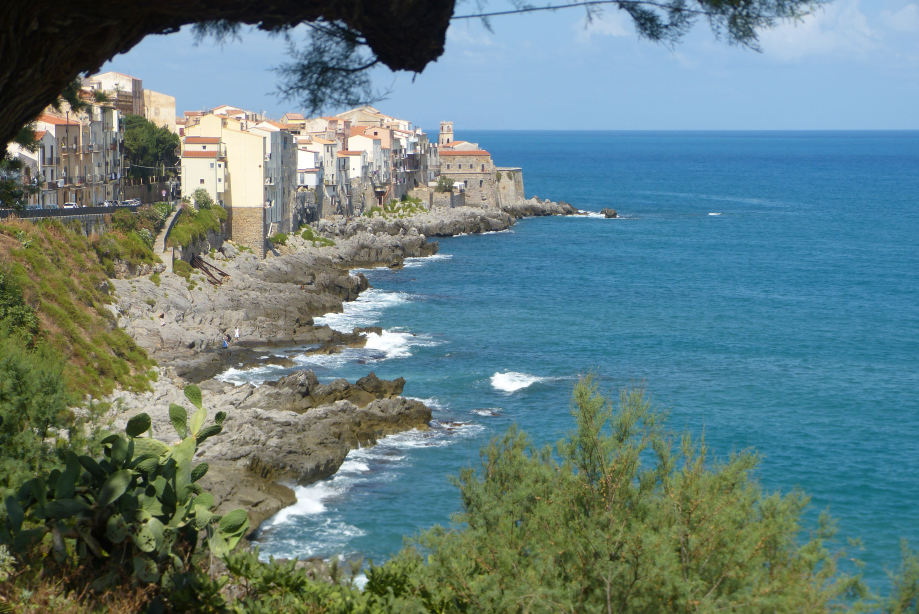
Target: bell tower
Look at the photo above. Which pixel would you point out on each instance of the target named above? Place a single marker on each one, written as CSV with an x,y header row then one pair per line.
x,y
446,133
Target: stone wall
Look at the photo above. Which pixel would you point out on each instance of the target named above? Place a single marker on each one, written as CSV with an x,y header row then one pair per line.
x,y
248,228
146,193
306,210
509,183
448,200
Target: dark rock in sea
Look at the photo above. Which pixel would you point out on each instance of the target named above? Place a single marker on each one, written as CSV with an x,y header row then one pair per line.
x,y
302,391
609,213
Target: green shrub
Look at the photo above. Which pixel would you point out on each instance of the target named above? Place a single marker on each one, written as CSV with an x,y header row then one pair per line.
x,y
137,507
279,239
155,278
182,269
202,199
316,240
444,184
194,224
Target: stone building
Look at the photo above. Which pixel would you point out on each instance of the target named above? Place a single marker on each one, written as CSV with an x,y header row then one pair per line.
x,y
476,171
509,181
125,92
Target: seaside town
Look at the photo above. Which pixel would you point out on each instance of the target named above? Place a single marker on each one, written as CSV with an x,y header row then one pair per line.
x,y
270,174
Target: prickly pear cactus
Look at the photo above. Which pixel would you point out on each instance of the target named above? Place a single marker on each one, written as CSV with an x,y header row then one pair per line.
x,y
140,503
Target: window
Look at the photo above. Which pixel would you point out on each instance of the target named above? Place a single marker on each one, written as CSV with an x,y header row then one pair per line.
x,y
220,180
448,167
212,165
204,148
219,165
480,183
201,180
483,168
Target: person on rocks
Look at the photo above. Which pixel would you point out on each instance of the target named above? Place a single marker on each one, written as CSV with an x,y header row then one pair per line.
x,y
163,319
236,335
226,339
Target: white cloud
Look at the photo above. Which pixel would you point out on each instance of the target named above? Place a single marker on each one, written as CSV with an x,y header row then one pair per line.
x,y
606,24
839,28
904,20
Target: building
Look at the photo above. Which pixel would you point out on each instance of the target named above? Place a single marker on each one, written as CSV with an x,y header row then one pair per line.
x,y
79,160
476,172
160,109
124,91
280,182
204,163
245,193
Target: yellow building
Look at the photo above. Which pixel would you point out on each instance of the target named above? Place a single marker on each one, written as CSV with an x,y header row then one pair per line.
x,y
243,180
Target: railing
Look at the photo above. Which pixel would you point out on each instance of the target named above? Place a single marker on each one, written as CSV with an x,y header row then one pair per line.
x,y
42,213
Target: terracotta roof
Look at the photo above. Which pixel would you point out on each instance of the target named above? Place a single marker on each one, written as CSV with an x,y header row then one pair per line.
x,y
199,154
358,130
369,136
307,170
349,153
193,113
332,119
476,152
322,141
57,121
291,116
202,140
40,134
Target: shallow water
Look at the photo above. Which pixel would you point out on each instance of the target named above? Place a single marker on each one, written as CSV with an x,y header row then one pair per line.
x,y
763,286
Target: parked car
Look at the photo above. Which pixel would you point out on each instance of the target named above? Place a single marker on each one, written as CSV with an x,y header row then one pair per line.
x,y
109,203
132,202
70,205
51,206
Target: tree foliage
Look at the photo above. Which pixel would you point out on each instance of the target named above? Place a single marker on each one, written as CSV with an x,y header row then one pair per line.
x,y
148,147
444,184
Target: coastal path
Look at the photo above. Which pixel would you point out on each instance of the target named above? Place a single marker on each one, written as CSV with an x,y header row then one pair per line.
x,y
159,245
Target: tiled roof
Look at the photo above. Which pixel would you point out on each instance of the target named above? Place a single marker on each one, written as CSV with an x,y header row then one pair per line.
x,y
202,140
199,154
291,116
193,113
307,170
57,121
40,134
476,152
349,153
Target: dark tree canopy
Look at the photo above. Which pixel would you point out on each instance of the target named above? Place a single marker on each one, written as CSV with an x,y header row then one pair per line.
x,y
149,148
46,44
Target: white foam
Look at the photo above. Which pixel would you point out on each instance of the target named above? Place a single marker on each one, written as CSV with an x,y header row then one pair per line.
x,y
366,310
411,263
714,214
487,411
255,376
309,502
431,402
591,214
396,344
512,381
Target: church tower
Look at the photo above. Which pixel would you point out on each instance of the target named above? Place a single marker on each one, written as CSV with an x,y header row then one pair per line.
x,y
446,133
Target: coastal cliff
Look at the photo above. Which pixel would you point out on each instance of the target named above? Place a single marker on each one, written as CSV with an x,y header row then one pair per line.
x,y
295,430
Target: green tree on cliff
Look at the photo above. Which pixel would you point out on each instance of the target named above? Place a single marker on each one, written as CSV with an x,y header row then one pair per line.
x,y
148,148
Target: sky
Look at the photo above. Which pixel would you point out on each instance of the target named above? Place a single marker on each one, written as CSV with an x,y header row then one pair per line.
x,y
853,65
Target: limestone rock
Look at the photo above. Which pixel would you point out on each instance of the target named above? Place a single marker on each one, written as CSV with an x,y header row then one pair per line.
x,y
609,213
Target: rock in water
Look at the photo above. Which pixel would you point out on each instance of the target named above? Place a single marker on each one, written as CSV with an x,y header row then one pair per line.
x,y
609,213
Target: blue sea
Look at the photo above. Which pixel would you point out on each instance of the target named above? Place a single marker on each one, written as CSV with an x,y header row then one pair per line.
x,y
764,286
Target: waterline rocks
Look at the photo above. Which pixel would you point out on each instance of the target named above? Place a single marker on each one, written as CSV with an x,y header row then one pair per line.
x,y
263,444
609,213
535,207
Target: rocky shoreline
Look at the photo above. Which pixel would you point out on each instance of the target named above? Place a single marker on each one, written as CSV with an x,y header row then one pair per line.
x,y
296,430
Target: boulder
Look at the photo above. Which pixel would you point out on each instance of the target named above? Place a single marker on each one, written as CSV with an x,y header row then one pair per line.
x,y
609,213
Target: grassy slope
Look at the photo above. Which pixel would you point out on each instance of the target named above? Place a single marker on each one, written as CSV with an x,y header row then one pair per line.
x,y
61,274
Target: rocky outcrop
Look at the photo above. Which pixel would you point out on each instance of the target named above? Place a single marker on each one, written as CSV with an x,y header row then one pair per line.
x,y
263,443
535,207
302,391
609,213
437,223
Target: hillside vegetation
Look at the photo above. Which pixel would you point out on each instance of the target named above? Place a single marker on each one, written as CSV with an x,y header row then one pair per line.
x,y
62,277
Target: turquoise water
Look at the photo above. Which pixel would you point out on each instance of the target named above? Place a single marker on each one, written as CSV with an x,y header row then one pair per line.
x,y
787,323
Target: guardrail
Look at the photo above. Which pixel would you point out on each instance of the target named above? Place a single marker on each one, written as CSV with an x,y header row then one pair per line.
x,y
52,213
